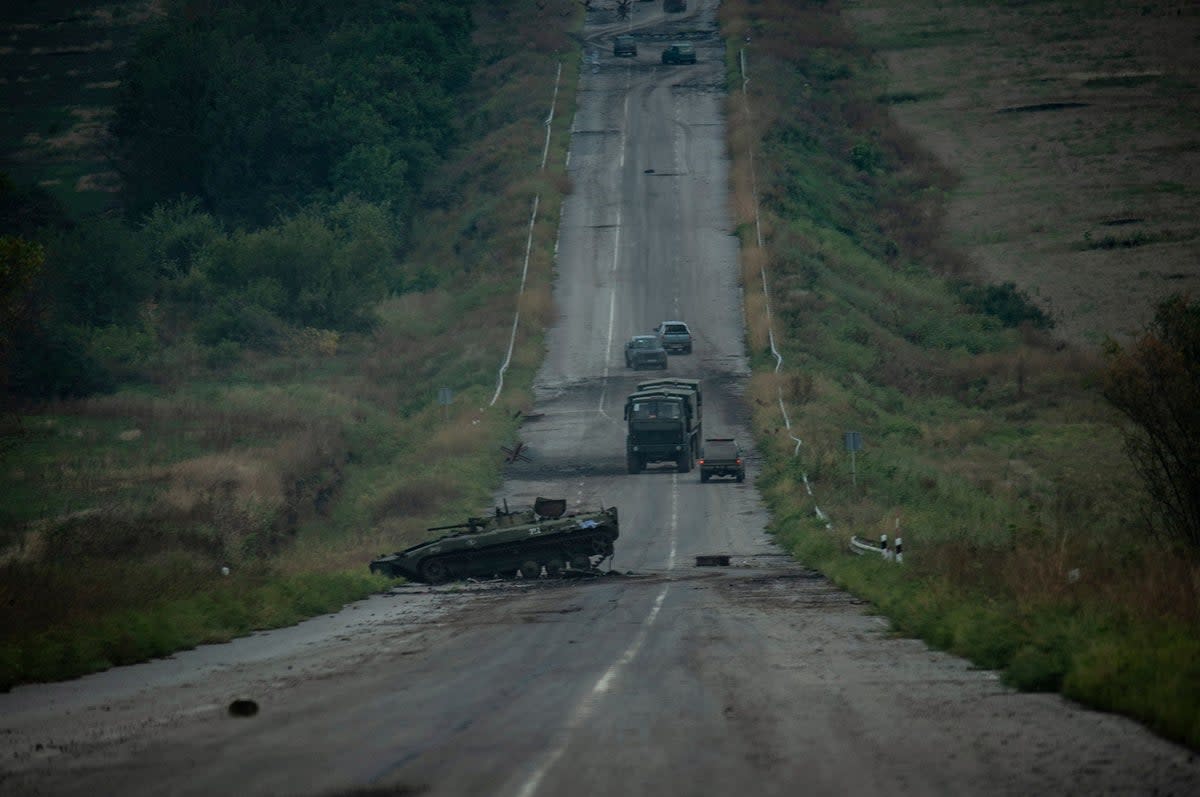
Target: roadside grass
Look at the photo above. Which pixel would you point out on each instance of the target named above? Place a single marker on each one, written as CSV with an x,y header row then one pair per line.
x,y
987,446
294,469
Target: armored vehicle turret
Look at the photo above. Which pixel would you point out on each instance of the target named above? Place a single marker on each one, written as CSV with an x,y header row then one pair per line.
x,y
508,541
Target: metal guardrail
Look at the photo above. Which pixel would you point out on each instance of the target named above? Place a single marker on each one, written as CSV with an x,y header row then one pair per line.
x,y
890,554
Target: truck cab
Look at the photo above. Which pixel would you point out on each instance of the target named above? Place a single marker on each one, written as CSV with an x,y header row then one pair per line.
x,y
662,425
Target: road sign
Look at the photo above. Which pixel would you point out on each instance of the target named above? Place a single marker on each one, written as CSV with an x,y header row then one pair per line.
x,y
853,445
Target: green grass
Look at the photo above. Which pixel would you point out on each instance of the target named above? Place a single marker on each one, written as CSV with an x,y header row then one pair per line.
x,y
234,607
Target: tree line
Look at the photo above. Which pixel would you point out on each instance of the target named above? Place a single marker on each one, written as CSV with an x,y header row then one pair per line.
x,y
272,153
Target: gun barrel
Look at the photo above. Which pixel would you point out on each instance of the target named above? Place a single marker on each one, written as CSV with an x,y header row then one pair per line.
x,y
451,526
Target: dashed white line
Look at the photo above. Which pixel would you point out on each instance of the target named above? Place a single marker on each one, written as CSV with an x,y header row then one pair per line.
x,y
587,706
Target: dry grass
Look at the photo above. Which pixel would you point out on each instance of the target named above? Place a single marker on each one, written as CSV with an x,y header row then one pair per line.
x,y
1118,160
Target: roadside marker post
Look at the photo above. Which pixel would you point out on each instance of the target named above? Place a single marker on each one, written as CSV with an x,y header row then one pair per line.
x,y
853,445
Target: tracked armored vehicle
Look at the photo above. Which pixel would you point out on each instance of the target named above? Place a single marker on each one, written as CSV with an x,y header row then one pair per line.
x,y
508,541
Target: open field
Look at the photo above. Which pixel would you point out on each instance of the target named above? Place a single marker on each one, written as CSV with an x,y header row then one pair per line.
x,y
59,77
1075,130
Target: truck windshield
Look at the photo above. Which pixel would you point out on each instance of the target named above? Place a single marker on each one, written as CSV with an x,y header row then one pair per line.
x,y
655,410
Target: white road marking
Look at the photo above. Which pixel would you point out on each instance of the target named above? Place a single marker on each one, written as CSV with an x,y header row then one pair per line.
x,y
587,706
624,122
674,518
612,314
616,259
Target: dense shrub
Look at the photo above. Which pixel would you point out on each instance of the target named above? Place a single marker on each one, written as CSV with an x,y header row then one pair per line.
x,y
1006,302
1155,384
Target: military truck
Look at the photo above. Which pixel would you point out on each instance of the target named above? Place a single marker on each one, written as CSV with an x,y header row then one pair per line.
x,y
543,536
663,424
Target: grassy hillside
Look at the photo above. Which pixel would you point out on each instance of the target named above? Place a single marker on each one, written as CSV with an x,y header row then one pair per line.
x,y
291,461
987,445
1075,130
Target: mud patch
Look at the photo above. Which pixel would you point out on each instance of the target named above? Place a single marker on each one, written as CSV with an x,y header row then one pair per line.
x,y
800,589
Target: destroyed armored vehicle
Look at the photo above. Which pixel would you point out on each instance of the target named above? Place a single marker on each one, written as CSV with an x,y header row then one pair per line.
x,y
508,541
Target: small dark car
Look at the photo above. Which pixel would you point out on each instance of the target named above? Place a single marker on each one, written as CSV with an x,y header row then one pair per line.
x,y
722,457
645,351
679,54
674,337
625,45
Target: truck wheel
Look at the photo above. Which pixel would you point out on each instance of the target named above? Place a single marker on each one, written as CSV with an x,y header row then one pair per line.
x,y
684,463
704,476
634,463
741,477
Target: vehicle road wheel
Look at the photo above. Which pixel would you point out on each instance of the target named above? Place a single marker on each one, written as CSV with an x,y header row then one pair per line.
x,y
435,571
741,477
704,476
531,569
634,463
683,463
554,567
581,562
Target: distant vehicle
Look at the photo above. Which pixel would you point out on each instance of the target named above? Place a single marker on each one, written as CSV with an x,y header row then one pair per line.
x,y
645,351
722,456
679,54
625,45
663,420
674,5
674,337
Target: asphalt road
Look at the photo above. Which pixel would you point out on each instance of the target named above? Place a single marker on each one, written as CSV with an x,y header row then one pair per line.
x,y
667,679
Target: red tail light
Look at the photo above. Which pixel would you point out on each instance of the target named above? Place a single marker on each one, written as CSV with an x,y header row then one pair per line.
x,y
699,462
738,461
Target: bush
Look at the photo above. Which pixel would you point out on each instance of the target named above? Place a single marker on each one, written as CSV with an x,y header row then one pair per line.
x,y
53,362
238,321
1155,384
96,274
319,268
1006,302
